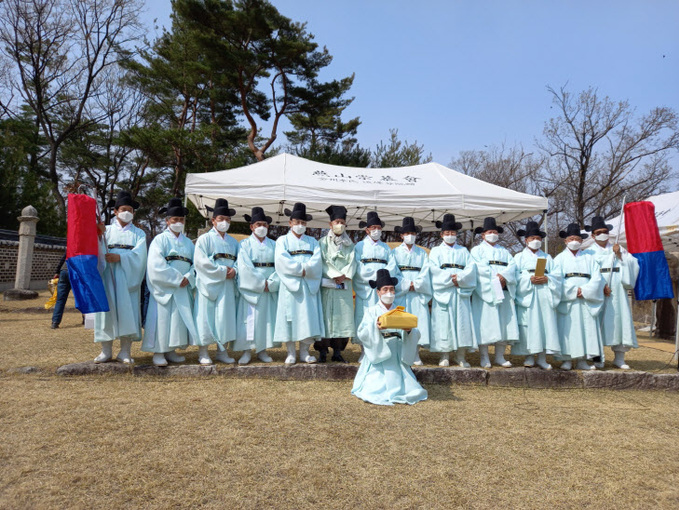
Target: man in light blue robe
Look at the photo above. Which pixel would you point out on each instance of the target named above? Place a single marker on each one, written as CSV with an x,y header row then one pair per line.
x,y
122,264
619,270
299,315
581,300
384,377
536,300
258,285
415,286
493,309
371,254
170,277
453,278
339,267
216,297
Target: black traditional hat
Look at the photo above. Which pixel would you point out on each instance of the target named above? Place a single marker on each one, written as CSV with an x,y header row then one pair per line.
x,y
298,212
373,219
488,224
383,279
532,229
221,208
257,215
408,226
123,198
598,222
174,208
337,212
572,230
448,223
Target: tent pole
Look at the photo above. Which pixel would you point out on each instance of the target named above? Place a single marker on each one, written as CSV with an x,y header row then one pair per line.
x,y
676,334
546,230
650,333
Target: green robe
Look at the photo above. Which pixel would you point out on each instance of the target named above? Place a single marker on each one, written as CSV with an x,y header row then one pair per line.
x,y
338,304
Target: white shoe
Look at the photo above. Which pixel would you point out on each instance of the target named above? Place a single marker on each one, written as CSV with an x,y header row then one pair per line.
x,y
304,354
485,359
106,352
203,356
417,363
583,365
445,362
124,355
173,357
459,358
290,360
503,363
159,359
620,361
544,365
264,357
566,365
245,358
500,356
623,366
224,357
529,362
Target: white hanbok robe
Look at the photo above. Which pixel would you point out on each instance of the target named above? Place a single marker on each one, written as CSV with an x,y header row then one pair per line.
x,y
414,269
451,310
122,282
494,318
169,319
617,325
256,307
384,376
299,314
216,297
577,319
338,304
370,256
536,306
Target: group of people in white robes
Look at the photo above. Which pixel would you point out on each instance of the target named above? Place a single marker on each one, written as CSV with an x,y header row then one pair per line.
x,y
296,291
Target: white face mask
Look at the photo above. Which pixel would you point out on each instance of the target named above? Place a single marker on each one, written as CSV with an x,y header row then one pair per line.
x,y
261,231
409,239
299,229
177,228
125,216
535,244
602,237
491,238
338,229
388,298
574,245
223,226
376,235
450,239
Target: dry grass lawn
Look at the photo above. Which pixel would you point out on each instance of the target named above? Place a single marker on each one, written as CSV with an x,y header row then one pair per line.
x,y
125,441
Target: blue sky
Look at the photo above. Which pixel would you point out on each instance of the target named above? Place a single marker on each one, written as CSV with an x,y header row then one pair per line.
x,y
460,75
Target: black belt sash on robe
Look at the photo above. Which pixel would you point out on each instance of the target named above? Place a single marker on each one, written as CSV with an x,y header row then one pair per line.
x,y
410,268
376,261
120,247
224,256
577,275
452,266
497,263
263,264
533,270
170,258
301,252
391,335
610,270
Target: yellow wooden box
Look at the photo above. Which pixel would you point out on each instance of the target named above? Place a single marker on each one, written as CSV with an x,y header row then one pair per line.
x,y
398,318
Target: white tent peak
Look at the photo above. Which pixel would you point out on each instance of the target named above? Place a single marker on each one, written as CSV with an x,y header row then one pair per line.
x,y
425,192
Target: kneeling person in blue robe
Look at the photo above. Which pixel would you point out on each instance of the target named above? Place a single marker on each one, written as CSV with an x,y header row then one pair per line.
x,y
384,377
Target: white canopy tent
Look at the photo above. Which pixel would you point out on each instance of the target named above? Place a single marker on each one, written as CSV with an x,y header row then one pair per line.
x,y
425,192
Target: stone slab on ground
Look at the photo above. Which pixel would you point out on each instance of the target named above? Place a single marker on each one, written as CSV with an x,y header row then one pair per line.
x,y
19,295
518,377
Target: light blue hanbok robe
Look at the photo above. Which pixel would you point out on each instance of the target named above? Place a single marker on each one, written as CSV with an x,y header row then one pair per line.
x,y
578,322
256,307
122,282
370,256
617,325
414,269
169,319
338,304
451,310
494,319
299,314
384,377
536,306
216,297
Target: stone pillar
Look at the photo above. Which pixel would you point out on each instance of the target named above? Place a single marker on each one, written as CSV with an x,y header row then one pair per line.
x,y
27,227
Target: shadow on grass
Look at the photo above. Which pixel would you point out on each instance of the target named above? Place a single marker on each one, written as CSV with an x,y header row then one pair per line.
x,y
440,392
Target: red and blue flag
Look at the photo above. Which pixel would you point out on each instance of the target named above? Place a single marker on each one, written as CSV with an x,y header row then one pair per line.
x,y
643,241
82,254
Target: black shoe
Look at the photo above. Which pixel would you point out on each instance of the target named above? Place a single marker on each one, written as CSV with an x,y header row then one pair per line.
x,y
322,356
338,357
55,325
